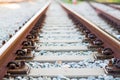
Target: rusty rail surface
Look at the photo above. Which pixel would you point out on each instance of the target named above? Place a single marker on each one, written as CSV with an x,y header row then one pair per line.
x,y
114,20
7,52
112,5
108,40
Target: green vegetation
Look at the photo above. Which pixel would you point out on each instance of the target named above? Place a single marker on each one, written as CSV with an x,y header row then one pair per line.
x,y
70,1
111,1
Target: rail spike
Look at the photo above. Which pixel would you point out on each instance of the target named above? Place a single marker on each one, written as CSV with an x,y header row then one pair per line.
x,y
105,53
29,44
17,67
86,32
91,37
24,54
113,67
33,37
21,52
96,44
3,42
33,32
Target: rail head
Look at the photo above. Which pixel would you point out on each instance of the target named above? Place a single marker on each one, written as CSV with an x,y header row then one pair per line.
x,y
7,51
110,41
114,6
113,17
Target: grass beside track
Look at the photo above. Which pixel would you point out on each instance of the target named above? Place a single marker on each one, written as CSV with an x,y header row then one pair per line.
x,y
109,1
70,1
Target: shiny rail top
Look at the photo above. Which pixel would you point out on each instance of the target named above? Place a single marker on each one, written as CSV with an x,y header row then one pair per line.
x,y
110,41
15,42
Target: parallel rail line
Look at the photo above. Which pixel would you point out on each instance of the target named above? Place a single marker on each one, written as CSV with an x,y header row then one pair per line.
x,y
7,52
114,6
111,42
110,18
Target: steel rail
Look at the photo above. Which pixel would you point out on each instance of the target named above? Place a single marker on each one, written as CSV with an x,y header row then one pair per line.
x,y
7,52
109,16
108,40
113,6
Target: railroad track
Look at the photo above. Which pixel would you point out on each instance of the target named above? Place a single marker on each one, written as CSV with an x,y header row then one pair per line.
x,y
56,44
92,16
113,5
108,13
116,6
16,20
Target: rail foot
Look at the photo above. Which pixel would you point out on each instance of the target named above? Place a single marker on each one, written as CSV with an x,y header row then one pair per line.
x,y
86,40
27,56
113,67
102,56
24,54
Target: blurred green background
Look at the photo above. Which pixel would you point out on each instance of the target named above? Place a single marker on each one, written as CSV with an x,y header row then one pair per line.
x,y
70,1
109,1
